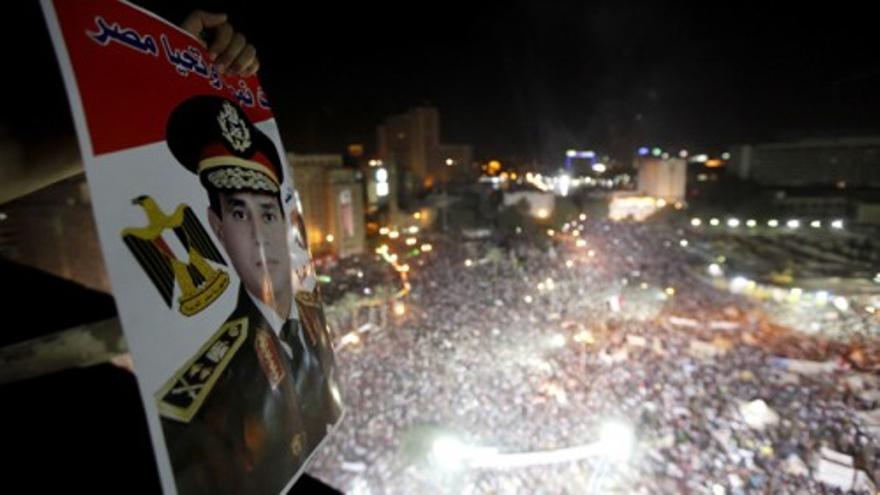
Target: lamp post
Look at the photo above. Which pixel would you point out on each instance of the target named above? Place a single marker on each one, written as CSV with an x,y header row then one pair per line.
x,y
449,163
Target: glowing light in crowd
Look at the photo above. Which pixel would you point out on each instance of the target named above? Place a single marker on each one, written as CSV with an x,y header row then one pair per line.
x,y
584,337
549,283
417,215
329,238
725,156
468,262
543,213
660,203
714,222
841,303
591,253
683,243
571,153
751,223
696,222
822,297
870,309
643,151
413,230
448,453
837,224
599,168
816,224
700,158
557,340
582,217
733,223
683,154
569,263
394,234
670,291
617,440
528,299
656,152
715,270
793,224
426,248
350,339
541,286
399,308
551,232
738,284
383,231
411,241
581,243
773,223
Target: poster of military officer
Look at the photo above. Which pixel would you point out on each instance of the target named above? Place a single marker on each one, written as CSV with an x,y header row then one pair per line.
x,y
203,239
261,391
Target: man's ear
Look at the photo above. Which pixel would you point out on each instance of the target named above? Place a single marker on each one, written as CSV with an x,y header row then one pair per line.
x,y
216,225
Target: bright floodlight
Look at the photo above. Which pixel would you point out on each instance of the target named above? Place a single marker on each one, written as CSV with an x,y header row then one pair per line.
x,y
816,224
616,440
837,224
382,189
793,224
715,270
564,184
738,284
751,223
448,452
599,168
683,243
733,223
714,222
696,222
773,223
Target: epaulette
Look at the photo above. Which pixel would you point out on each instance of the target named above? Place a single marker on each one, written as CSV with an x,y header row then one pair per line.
x,y
185,392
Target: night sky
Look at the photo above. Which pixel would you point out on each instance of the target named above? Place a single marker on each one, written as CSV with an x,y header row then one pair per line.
x,y
529,79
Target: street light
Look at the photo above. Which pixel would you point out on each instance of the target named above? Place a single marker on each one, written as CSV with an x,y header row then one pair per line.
x,y
449,163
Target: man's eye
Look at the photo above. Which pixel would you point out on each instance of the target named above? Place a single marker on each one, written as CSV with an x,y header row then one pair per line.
x,y
269,217
238,214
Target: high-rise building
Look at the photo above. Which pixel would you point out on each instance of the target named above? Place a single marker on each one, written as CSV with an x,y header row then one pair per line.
x,y
842,163
412,141
664,179
332,203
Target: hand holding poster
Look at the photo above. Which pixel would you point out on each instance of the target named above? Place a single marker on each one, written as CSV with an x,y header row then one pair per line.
x,y
200,226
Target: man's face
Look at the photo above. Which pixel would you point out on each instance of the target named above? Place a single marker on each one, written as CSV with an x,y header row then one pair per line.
x,y
252,229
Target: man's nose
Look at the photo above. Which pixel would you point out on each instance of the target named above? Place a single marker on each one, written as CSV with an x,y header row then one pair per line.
x,y
258,231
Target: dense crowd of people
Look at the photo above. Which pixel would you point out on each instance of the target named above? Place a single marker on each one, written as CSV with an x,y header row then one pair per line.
x,y
533,348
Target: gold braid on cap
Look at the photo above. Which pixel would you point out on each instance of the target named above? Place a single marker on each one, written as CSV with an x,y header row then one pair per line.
x,y
241,178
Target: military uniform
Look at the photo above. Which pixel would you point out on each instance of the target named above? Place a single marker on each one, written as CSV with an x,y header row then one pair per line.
x,y
245,412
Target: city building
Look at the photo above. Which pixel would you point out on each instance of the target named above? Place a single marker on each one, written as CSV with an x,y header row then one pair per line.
x,y
332,203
